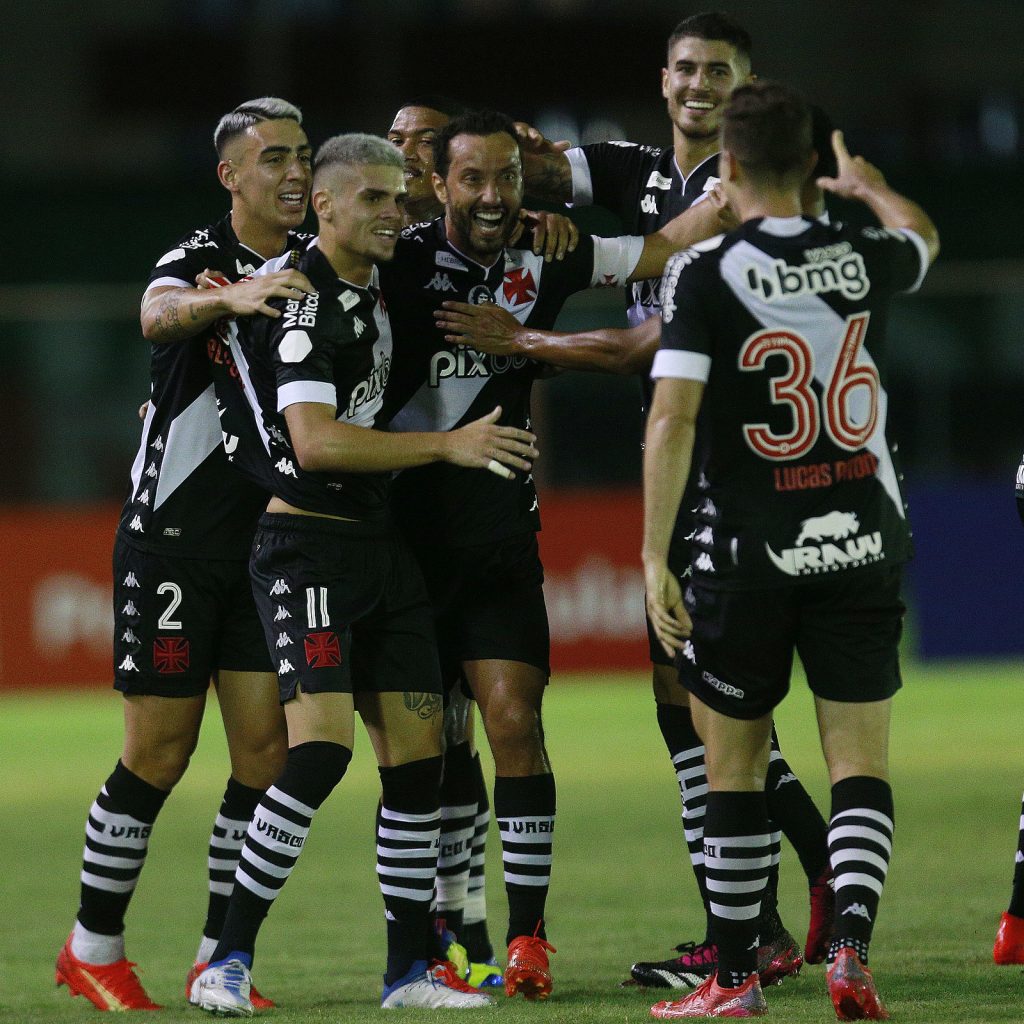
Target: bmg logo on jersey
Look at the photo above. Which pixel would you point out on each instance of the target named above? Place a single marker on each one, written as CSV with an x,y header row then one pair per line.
x,y
846,275
826,554
467,362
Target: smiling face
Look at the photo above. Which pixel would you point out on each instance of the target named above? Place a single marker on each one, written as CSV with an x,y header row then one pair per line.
x,y
701,74
482,193
267,171
413,132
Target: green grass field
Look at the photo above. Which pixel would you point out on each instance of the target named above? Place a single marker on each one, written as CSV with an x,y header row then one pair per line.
x,y
621,888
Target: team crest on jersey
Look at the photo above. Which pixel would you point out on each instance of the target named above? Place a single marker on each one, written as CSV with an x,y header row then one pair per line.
x,y
170,654
828,543
519,287
323,650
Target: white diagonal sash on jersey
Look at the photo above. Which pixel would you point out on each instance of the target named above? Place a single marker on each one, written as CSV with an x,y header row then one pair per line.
x,y
191,437
439,408
143,452
242,365
824,330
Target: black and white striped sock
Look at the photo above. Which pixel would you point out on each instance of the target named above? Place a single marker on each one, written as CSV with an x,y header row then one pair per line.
x,y
116,841
860,847
275,838
408,836
737,859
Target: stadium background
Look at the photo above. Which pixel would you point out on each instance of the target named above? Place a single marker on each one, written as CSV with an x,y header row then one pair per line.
x,y
106,160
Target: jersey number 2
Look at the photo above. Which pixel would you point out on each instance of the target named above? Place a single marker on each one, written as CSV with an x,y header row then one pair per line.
x,y
793,388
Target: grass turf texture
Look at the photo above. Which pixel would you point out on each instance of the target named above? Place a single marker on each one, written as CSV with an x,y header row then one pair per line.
x,y
621,889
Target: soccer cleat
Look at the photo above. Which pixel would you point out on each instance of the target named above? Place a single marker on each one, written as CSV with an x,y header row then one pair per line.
x,y
823,907
452,950
433,987
696,962
852,989
485,975
259,1002
528,972
223,990
113,986
710,1000
780,958
1009,945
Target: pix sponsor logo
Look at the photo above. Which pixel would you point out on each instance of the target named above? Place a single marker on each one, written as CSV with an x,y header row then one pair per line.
x,y
837,546
371,387
846,275
467,362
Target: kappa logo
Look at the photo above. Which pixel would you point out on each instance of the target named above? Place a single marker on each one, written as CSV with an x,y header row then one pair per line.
x,y
358,326
705,536
448,261
143,498
722,686
128,665
158,444
649,204
151,470
688,653
279,588
440,282
348,299
285,467
783,779
283,640
781,281
244,269
285,666
131,580
282,613
136,524
170,655
704,563
130,609
657,180
275,432
826,555
858,910
129,637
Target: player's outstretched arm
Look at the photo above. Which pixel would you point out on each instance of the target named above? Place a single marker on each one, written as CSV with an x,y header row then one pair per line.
x,y
668,452
554,234
696,224
171,313
324,445
858,179
546,171
494,330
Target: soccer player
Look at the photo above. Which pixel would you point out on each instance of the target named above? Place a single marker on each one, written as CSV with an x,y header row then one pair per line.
x,y
775,335
183,608
340,598
476,537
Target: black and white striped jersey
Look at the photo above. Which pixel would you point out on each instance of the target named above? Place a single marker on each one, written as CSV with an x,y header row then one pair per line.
x,y
184,499
785,321
644,187
332,347
437,386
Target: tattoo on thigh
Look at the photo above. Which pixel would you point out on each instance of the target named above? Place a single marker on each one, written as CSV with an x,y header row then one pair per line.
x,y
426,705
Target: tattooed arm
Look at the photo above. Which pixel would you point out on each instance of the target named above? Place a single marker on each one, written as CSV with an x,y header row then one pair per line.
x,y
546,171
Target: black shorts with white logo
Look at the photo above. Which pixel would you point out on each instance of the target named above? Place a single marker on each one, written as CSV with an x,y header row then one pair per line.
x,y
846,629
488,602
178,620
343,608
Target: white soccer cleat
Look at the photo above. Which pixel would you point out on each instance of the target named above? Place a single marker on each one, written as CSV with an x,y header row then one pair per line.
x,y
223,990
434,987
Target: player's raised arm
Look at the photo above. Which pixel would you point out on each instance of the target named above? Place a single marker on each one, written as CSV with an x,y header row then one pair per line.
x,y
858,179
546,170
696,224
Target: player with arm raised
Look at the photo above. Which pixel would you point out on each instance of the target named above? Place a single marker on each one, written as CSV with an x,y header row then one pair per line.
x,y
776,338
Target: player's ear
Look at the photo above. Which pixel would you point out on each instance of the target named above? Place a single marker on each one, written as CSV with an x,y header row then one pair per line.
x,y
226,174
664,82
440,189
322,203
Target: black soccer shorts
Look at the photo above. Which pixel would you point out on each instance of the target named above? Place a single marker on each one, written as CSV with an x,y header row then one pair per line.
x,y
343,608
488,602
846,629
178,620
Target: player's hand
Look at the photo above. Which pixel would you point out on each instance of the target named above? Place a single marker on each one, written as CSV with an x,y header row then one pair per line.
x,y
253,294
207,279
665,608
482,444
554,234
486,327
855,177
533,142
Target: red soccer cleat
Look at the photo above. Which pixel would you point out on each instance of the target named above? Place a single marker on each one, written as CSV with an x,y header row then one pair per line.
x,y
852,989
528,971
710,1000
823,908
1009,945
258,1002
107,986
779,959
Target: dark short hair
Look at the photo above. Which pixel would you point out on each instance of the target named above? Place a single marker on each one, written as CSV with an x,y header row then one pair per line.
x,y
767,128
435,101
475,122
245,115
715,26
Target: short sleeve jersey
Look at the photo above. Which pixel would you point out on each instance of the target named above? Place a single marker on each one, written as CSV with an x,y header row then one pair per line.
x,y
185,499
332,347
435,386
785,320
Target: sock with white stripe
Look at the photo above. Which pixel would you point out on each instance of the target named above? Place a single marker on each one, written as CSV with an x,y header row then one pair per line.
x,y
770,924
226,839
737,858
408,834
474,935
859,846
793,810
116,839
458,814
1016,906
687,753
275,838
525,809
